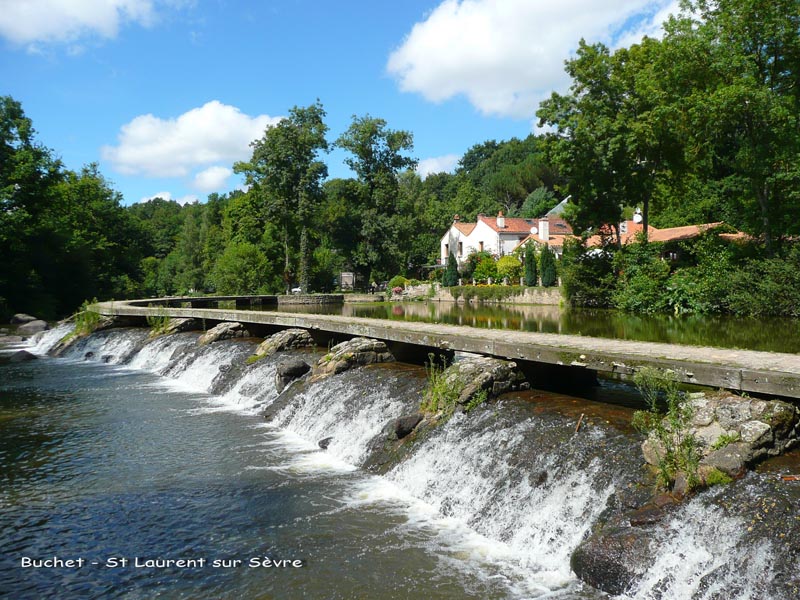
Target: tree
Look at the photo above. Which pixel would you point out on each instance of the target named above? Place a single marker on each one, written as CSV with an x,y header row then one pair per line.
x,y
450,277
744,111
612,139
531,276
286,172
547,266
377,159
509,266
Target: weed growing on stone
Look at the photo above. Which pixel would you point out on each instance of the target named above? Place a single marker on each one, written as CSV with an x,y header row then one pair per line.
x,y
668,421
725,439
439,394
159,323
86,320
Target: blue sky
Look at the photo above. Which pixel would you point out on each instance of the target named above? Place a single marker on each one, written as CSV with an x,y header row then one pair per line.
x,y
166,94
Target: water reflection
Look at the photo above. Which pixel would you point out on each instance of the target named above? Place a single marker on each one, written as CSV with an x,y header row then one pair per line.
x,y
776,335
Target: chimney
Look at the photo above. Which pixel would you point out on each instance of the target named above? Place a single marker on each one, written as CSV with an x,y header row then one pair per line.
x,y
501,220
456,218
544,228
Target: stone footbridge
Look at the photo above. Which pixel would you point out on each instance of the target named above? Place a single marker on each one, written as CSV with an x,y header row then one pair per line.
x,y
740,370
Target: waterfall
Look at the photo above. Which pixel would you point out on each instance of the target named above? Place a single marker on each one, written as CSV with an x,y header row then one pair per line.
x,y
539,504
351,408
43,341
701,555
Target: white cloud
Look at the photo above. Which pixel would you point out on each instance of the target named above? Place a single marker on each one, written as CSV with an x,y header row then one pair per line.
x,y
213,133
212,179
168,196
505,57
437,164
28,22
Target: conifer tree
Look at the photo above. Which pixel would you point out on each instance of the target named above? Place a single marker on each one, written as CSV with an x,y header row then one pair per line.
x,y
450,277
548,267
531,274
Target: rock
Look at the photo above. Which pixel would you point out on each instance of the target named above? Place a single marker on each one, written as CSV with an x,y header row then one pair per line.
x,y
288,370
731,460
32,327
180,324
285,340
474,374
21,356
406,424
22,318
734,432
358,351
613,560
223,331
325,442
12,339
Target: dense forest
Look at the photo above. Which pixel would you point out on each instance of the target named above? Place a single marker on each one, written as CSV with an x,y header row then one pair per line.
x,y
699,126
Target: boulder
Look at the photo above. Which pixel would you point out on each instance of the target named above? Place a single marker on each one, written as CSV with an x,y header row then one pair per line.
x,y
406,424
22,318
11,339
325,442
179,324
285,340
474,374
223,331
32,327
21,356
355,352
288,370
733,432
613,560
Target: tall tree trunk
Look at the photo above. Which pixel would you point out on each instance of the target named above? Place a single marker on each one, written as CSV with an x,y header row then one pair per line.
x,y
304,259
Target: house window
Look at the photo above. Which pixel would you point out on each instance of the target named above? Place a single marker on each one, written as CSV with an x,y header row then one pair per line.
x,y
446,250
461,248
480,246
672,255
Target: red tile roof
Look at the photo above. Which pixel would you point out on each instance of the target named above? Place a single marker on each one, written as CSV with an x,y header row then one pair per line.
x,y
513,224
465,228
671,234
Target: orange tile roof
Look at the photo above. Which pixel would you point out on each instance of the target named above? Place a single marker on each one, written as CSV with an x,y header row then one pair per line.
x,y
671,234
513,224
465,228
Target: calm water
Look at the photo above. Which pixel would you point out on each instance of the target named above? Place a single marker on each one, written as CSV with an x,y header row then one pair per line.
x,y
769,334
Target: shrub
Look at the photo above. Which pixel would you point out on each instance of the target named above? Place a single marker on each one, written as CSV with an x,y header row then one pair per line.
x,y
509,266
486,268
588,279
642,278
397,281
471,263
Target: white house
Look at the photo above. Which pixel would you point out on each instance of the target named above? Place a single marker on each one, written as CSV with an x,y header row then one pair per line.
x,y
497,235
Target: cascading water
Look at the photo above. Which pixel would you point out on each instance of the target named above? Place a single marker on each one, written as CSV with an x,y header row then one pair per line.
x,y
507,490
350,410
45,340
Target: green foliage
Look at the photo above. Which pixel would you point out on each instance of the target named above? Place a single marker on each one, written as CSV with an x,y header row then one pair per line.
x,y
531,272
717,477
509,266
243,269
547,267
486,268
669,428
538,203
588,279
287,175
450,277
85,320
486,292
159,323
397,281
725,439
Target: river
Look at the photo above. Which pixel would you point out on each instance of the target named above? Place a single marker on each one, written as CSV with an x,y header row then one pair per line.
x,y
144,462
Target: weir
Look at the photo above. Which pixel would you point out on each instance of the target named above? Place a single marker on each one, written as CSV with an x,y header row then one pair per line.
x,y
498,499
740,370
